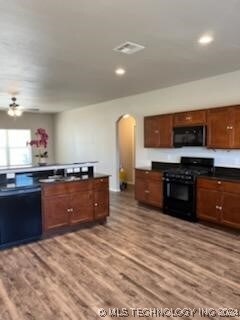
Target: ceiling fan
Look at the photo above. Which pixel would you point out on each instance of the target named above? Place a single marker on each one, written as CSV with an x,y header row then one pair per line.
x,y
15,110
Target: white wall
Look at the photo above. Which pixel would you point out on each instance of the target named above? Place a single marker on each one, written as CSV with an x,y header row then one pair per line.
x,y
89,133
31,121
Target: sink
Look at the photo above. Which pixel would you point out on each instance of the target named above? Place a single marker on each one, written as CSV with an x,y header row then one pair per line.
x,y
71,178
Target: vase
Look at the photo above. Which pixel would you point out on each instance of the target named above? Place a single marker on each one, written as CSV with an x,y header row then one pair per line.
x,y
42,161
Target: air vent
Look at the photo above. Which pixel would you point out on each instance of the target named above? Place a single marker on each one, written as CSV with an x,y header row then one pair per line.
x,y
129,48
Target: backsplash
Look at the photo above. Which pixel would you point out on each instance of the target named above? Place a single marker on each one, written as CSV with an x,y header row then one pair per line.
x,y
223,158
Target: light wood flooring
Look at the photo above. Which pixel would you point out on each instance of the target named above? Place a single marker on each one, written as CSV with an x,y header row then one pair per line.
x,y
139,259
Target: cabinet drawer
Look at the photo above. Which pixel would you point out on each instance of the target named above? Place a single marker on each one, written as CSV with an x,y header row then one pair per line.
x,y
64,188
219,185
231,187
190,118
211,184
101,183
148,174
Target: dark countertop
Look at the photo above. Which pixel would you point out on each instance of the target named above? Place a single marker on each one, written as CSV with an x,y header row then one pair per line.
x,y
160,166
24,182
221,173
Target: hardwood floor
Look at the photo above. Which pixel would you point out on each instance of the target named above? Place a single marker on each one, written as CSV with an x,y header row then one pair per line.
x,y
139,259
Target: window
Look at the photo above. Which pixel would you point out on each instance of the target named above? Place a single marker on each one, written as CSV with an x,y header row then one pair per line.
x,y
13,147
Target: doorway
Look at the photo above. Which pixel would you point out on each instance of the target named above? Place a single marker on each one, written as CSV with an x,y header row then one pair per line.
x,y
126,146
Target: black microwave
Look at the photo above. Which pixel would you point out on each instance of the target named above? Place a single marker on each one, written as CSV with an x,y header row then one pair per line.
x,y
189,136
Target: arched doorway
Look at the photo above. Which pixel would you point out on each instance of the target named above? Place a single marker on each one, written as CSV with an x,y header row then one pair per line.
x,y
126,148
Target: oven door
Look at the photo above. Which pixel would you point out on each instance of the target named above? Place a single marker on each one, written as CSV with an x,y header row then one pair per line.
x,y
179,198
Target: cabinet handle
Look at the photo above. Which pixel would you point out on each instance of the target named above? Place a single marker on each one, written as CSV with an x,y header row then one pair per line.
x,y
147,191
188,118
101,180
70,210
156,131
219,182
229,127
220,208
146,172
95,204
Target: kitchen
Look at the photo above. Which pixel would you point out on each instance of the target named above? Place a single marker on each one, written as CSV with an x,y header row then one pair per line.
x,y
75,247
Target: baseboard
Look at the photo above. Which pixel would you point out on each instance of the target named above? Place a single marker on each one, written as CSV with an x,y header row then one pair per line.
x,y
115,190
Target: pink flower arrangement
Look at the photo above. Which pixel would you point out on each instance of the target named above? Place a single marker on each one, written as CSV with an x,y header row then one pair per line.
x,y
40,143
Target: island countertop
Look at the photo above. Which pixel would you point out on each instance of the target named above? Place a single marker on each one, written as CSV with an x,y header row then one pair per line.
x,y
55,166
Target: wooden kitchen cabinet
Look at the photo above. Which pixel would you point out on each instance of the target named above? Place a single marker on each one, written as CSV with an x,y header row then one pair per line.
x,y
190,118
149,187
55,212
67,204
230,215
158,131
101,198
207,202
218,201
82,207
224,128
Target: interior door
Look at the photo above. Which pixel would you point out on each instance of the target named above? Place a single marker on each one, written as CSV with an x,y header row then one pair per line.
x,y
220,133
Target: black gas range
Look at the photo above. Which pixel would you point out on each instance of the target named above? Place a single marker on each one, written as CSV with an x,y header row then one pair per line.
x,y
179,187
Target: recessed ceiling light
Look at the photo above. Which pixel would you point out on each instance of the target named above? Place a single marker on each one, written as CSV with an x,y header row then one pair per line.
x,y
205,39
120,71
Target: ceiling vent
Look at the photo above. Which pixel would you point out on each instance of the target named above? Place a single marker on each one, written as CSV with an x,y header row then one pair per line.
x,y
129,48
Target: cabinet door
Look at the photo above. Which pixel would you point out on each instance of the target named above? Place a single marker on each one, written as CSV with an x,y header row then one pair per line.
x,y
82,207
190,118
236,127
140,189
208,204
230,213
154,194
151,132
55,212
149,187
101,204
220,128
165,124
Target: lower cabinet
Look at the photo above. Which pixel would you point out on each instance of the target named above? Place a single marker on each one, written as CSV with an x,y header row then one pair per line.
x,y
149,187
219,201
71,203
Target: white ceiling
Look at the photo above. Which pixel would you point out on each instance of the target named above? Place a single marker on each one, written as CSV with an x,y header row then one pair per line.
x,y
58,54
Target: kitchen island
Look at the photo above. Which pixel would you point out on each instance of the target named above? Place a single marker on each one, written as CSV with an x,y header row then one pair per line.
x,y
37,201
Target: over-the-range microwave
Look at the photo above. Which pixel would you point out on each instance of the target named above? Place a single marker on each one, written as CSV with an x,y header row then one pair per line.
x,y
189,136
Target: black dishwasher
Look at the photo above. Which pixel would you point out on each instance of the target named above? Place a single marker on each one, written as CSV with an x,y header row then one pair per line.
x,y
20,216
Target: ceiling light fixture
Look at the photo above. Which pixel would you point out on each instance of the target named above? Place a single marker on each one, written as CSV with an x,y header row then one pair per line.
x,y
120,71
14,109
126,116
205,39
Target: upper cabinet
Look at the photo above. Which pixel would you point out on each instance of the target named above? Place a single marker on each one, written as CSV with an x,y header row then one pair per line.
x,y
190,118
158,131
224,128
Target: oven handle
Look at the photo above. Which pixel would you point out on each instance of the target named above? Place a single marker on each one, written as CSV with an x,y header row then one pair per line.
x,y
167,180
